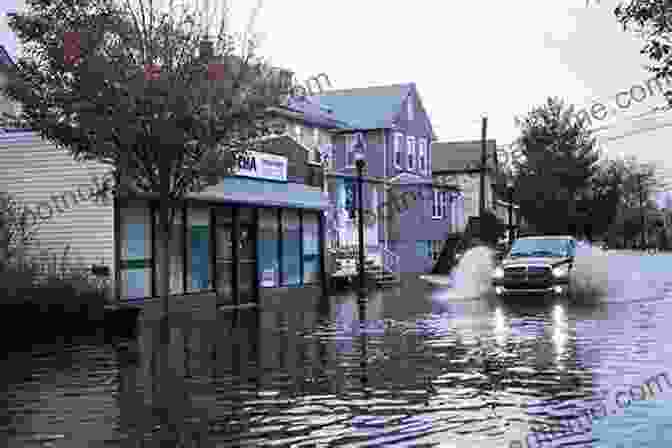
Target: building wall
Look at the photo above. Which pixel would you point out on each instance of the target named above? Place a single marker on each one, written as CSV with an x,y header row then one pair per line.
x,y
413,230
470,185
417,127
34,170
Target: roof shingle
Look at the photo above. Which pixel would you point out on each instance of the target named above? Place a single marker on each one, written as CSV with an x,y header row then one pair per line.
x,y
365,108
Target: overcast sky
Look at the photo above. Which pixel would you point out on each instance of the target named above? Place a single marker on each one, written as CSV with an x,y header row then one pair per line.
x,y
466,58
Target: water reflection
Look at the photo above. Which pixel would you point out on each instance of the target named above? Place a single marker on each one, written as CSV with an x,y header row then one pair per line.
x,y
412,367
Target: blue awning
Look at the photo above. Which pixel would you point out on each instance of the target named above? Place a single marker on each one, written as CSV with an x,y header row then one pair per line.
x,y
263,192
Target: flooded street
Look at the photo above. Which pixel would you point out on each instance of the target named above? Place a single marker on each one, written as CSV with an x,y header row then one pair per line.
x,y
426,367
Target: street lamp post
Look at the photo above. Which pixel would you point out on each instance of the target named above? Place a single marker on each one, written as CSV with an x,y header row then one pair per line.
x,y
509,191
360,164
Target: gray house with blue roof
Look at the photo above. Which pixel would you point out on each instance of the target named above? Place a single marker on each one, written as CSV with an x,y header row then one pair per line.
x,y
397,133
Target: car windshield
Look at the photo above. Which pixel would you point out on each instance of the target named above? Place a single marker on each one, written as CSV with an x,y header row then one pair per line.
x,y
541,247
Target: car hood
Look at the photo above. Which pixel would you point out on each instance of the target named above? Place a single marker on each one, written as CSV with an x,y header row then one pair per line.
x,y
553,261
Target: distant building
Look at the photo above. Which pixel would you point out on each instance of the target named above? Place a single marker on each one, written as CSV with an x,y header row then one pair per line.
x,y
7,107
397,134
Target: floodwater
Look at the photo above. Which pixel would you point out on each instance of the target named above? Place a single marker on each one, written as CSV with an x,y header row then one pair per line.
x,y
428,366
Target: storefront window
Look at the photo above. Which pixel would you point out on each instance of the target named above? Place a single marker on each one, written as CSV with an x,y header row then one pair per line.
x,y
267,248
224,254
176,252
198,250
311,248
136,251
291,248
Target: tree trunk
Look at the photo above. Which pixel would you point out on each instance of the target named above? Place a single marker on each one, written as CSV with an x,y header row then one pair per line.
x,y
163,246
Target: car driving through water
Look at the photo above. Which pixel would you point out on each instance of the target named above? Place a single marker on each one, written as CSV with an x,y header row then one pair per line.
x,y
539,264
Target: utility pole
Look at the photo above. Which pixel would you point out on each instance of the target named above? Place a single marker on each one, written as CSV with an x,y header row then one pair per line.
x,y
641,207
484,159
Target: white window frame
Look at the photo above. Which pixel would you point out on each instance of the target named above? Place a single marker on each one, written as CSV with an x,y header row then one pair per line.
x,y
422,154
350,140
410,108
436,203
445,210
398,143
410,156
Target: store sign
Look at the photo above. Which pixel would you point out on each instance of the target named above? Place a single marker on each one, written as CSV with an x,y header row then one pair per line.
x,y
261,165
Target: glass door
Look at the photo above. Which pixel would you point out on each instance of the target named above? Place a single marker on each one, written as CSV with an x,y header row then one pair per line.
x,y
224,256
247,253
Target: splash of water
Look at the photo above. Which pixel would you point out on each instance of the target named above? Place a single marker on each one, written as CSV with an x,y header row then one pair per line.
x,y
471,278
472,275
590,276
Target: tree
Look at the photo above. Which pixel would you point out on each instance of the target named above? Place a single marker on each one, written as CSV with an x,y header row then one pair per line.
x,y
152,93
652,21
626,188
558,160
15,230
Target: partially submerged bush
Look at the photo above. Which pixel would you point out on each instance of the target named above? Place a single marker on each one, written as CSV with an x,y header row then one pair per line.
x,y
51,283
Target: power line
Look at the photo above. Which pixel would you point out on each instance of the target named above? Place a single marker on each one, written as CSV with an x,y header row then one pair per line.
x,y
637,131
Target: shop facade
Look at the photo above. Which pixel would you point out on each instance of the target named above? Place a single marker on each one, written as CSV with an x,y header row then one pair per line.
x,y
244,239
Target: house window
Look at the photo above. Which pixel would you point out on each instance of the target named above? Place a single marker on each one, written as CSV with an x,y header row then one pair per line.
x,y
422,155
436,204
411,153
411,108
445,204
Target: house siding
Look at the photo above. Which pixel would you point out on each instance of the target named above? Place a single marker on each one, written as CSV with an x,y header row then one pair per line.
x,y
470,184
414,228
419,128
409,233
33,170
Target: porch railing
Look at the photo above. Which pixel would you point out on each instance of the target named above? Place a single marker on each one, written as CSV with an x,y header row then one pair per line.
x,y
391,262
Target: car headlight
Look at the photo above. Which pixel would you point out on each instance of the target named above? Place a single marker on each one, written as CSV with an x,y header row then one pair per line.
x,y
561,271
498,272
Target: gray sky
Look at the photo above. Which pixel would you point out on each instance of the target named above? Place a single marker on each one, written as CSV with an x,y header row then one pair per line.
x,y
467,58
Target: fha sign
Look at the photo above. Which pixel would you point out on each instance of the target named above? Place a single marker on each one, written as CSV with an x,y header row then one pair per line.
x,y
260,165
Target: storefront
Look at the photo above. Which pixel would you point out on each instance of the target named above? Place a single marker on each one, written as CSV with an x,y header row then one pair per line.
x,y
246,237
